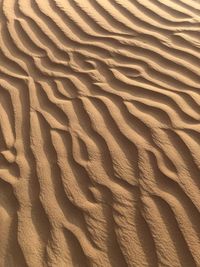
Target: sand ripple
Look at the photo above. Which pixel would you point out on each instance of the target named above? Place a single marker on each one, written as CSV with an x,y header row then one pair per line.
x,y
99,133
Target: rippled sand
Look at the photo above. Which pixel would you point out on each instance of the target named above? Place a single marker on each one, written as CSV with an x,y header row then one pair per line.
x,y
99,133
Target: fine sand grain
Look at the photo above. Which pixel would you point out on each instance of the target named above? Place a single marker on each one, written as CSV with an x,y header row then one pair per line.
x,y
99,133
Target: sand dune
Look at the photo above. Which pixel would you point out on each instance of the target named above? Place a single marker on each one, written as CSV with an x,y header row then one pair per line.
x,y
99,133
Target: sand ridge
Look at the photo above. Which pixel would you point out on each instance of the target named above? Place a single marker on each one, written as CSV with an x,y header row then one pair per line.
x,y
99,133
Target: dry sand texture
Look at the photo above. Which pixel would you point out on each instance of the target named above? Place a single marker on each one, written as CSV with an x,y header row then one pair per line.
x,y
99,133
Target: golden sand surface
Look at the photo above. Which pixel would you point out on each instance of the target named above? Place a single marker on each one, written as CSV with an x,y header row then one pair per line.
x,y
99,133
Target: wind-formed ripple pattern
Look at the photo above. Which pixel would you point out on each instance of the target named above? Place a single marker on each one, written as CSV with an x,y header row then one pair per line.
x,y
99,133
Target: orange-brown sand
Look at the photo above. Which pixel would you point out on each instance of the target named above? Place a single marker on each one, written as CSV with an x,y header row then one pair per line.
x,y
99,133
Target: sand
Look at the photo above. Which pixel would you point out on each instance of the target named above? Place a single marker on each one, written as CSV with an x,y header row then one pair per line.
x,y
99,133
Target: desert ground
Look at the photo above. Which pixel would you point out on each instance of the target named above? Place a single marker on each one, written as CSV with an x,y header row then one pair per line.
x,y
99,133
